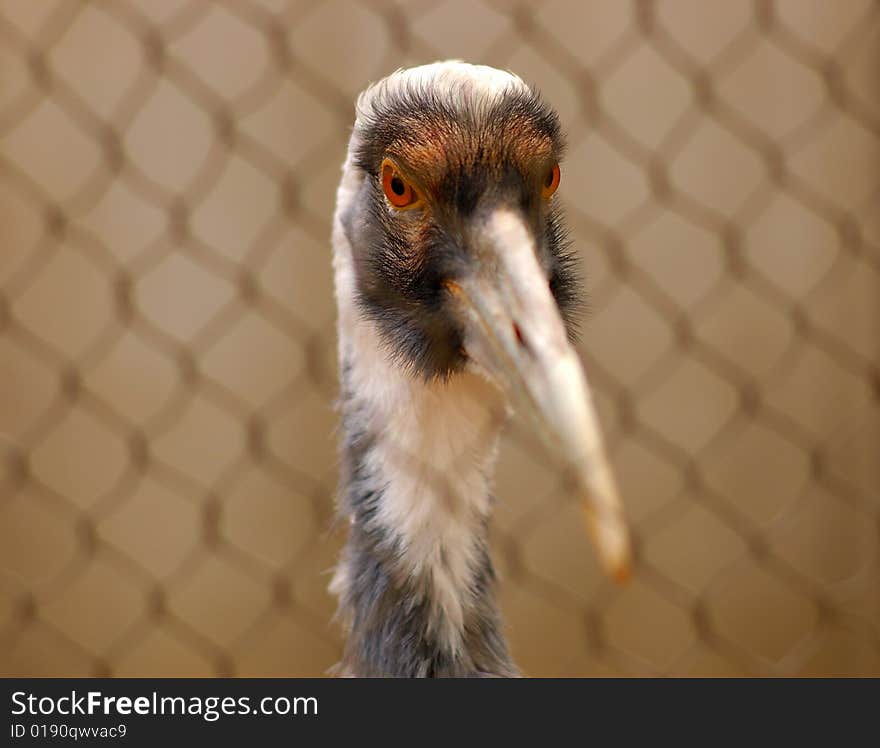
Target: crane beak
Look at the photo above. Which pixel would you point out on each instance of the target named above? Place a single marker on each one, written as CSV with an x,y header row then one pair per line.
x,y
514,334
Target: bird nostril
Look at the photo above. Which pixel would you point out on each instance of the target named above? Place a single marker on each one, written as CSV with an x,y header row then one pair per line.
x,y
519,336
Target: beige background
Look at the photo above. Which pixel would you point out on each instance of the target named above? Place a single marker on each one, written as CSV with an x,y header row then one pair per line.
x,y
167,366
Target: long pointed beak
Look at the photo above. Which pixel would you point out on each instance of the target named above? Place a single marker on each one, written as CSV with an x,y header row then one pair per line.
x,y
515,334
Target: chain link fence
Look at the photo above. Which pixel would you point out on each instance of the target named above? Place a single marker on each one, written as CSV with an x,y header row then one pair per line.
x,y
167,343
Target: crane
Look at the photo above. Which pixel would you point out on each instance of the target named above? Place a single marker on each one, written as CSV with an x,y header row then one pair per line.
x,y
456,298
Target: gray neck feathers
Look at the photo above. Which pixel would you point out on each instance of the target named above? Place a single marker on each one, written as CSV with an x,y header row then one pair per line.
x,y
415,581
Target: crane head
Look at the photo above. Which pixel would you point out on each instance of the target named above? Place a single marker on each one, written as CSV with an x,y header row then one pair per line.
x,y
460,256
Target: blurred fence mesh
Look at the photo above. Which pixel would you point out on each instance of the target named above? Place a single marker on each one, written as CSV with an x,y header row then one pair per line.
x,y
167,359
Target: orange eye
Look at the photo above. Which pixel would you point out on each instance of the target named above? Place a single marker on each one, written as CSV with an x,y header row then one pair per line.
x,y
551,182
398,191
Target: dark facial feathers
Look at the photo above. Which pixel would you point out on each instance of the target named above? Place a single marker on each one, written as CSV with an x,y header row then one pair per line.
x,y
464,154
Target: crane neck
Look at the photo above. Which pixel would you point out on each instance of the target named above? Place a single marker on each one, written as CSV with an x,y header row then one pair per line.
x,y
416,582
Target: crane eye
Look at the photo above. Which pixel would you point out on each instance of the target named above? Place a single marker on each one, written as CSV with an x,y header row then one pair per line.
x,y
398,191
551,182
